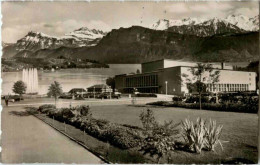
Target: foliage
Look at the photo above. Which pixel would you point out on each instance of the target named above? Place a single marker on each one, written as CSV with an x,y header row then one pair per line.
x,y
46,108
159,139
213,133
83,110
194,134
148,120
55,90
146,95
201,74
110,81
199,136
118,135
19,87
223,107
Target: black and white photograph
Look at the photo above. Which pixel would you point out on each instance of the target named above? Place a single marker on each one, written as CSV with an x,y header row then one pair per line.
x,y
130,82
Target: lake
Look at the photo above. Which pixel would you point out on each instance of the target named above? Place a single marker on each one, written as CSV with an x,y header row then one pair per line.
x,y
69,78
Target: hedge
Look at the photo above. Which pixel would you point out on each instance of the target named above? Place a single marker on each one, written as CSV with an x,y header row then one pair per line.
x,y
228,107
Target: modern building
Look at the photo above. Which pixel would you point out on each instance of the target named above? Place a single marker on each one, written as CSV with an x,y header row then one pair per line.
x,y
166,77
100,88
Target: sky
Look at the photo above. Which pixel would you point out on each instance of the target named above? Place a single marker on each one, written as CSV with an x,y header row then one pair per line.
x,y
59,18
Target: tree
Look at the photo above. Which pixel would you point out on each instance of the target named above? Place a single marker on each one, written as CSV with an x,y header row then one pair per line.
x,y
111,82
201,74
19,88
138,71
55,90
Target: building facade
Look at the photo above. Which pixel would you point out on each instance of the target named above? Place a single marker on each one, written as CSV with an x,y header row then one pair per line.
x,y
166,77
100,88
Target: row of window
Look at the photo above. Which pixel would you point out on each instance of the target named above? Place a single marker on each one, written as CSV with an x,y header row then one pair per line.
x,y
227,87
149,80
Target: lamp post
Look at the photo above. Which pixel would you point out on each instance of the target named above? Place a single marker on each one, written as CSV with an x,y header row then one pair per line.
x,y
94,92
166,82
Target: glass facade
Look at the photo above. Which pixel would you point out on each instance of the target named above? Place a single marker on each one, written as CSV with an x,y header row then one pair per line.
x,y
227,87
143,83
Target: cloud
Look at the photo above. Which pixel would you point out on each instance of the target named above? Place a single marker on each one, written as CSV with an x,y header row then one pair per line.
x,y
210,7
177,8
250,12
205,9
11,34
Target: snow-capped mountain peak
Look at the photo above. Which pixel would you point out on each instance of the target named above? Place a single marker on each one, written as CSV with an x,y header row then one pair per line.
x,y
85,33
81,37
241,21
164,24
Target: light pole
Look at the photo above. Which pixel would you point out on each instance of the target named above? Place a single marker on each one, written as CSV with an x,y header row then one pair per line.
x,y
166,82
94,92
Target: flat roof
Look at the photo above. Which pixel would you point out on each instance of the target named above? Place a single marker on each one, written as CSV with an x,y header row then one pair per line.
x,y
212,68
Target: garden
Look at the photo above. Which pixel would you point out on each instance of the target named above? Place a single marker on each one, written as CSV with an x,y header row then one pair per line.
x,y
153,140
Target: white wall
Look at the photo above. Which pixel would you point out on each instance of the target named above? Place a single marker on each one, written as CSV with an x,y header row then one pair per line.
x,y
172,63
226,77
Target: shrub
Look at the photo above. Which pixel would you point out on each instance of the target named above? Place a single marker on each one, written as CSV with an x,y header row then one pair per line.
x,y
229,107
198,135
66,113
83,110
161,139
194,134
148,120
46,108
213,133
146,95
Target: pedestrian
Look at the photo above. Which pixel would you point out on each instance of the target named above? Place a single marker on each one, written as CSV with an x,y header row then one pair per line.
x,y
6,100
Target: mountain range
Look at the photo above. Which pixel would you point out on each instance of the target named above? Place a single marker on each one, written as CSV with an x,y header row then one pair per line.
x,y
234,38
239,20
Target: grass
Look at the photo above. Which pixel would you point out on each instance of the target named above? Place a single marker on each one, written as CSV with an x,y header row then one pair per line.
x,y
239,129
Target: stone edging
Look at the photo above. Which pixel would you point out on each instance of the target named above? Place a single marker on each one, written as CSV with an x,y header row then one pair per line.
x,y
78,142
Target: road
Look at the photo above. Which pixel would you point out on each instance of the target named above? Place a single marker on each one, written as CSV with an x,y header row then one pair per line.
x,y
26,139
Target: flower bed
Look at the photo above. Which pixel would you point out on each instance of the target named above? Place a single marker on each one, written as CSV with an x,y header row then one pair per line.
x,y
124,137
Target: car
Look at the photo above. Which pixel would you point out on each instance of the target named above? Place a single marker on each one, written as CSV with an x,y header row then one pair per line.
x,y
103,96
14,98
66,96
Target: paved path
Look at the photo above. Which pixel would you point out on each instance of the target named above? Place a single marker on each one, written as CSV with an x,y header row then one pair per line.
x,y
26,139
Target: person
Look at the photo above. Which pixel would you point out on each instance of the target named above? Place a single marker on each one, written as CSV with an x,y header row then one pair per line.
x,y
6,100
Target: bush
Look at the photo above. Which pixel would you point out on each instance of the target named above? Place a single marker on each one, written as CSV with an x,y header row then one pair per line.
x,y
213,133
198,136
194,134
228,107
148,120
146,95
83,110
46,108
159,139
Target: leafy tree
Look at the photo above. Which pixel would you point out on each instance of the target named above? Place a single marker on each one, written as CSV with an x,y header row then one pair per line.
x,y
200,76
110,81
55,90
138,71
19,88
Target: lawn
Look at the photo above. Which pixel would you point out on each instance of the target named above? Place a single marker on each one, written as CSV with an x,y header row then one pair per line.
x,y
240,130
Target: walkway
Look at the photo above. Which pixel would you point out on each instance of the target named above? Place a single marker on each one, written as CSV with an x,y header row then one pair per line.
x,y
26,139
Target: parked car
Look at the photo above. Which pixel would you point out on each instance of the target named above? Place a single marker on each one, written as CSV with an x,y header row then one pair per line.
x,y
14,98
66,96
106,95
